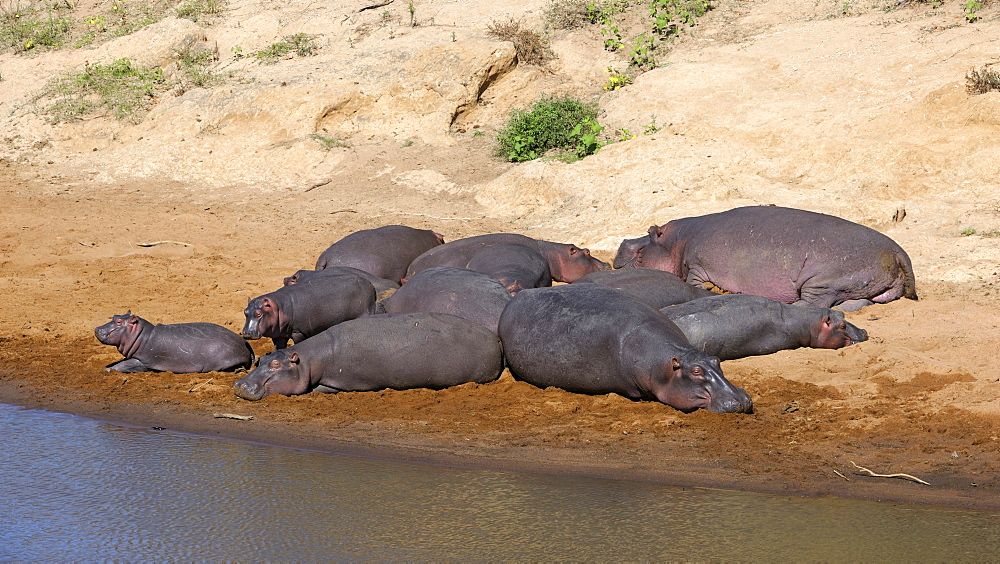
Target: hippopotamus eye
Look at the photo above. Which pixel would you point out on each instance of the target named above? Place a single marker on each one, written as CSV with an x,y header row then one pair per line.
x,y
697,372
275,364
258,314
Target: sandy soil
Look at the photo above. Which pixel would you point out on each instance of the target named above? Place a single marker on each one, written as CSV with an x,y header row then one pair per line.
x,y
181,222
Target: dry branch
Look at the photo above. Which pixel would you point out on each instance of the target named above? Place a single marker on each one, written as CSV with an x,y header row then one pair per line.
x,y
902,476
232,416
155,243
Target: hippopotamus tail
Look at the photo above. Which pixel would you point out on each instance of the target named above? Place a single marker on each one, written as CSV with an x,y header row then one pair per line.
x,y
909,280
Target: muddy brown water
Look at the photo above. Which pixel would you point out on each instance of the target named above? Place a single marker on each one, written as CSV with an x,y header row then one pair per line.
x,y
81,489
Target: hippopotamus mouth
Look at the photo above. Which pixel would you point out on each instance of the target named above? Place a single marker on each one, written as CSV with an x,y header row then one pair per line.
x,y
252,391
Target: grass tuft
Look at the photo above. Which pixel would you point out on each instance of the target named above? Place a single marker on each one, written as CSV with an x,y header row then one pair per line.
x,y
119,88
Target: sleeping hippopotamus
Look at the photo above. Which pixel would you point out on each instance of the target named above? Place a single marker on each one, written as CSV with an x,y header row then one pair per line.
x,y
398,351
735,326
302,310
474,296
596,340
380,284
566,262
788,255
179,347
517,267
657,288
385,251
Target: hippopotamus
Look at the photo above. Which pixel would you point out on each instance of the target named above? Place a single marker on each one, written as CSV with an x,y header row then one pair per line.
x,y
474,296
177,347
302,310
657,288
517,267
398,351
788,255
735,326
592,339
381,284
566,262
384,252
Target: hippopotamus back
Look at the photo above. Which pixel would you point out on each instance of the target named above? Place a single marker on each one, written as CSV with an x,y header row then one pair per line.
x,y
591,339
385,252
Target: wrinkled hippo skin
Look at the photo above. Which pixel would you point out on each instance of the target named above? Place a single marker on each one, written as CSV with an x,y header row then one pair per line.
x,y
596,340
566,262
470,295
179,347
735,326
788,255
657,288
385,252
398,351
517,267
380,284
305,309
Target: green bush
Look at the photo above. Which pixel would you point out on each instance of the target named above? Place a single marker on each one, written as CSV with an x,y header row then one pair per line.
x,y
564,124
302,44
25,31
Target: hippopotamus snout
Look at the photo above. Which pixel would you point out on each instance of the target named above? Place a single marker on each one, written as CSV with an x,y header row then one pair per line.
x,y
251,329
856,334
736,400
249,390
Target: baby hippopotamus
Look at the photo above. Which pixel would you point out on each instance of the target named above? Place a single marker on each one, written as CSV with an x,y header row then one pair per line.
x,y
179,347
385,252
394,350
596,340
788,255
735,326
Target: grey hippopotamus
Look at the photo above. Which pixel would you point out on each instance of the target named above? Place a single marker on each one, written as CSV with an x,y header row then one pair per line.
x,y
566,262
517,267
178,347
735,326
385,251
302,310
398,351
788,255
381,284
657,288
474,296
592,339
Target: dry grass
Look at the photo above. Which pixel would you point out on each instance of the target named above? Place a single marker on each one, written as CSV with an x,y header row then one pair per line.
x,y
531,49
982,80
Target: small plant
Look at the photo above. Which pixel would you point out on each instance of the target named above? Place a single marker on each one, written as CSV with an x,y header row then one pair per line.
x,y
651,127
528,44
237,52
119,88
413,14
616,79
328,142
197,10
642,56
302,44
564,124
982,80
971,9
478,133
669,15
624,134
603,13
967,232
195,72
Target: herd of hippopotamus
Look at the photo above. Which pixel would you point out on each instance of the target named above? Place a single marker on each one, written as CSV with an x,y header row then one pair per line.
x,y
397,307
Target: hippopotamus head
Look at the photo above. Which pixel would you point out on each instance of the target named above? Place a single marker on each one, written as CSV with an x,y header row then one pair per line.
x,y
834,332
694,380
300,276
278,373
628,251
123,332
263,318
567,262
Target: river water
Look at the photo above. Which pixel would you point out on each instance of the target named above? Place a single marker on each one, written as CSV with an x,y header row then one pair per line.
x,y
77,489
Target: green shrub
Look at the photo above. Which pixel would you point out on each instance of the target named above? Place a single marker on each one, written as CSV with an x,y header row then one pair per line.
x,y
118,88
669,15
22,30
564,124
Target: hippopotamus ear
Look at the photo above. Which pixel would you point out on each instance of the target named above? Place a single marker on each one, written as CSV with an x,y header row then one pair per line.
x,y
265,303
133,319
654,232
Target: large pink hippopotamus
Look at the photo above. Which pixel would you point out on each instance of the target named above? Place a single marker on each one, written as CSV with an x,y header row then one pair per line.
x,y
785,254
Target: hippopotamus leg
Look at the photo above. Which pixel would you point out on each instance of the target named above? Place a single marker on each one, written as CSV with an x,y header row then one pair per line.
x,y
128,365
